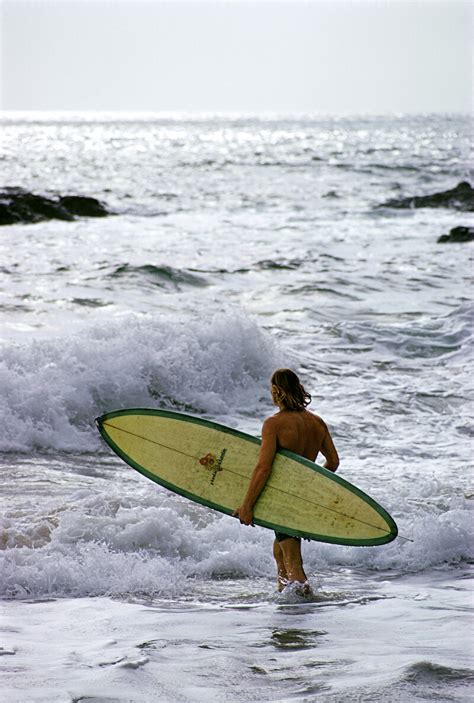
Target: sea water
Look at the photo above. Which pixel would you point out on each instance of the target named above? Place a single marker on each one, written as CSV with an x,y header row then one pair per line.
x,y
236,245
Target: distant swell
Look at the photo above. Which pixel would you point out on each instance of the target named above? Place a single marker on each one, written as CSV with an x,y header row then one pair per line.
x,y
161,276
444,338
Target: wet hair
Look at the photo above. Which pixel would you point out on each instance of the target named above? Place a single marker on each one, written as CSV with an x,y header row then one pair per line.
x,y
287,389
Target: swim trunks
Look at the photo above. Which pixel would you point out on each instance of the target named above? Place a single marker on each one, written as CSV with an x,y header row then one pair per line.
x,y
280,536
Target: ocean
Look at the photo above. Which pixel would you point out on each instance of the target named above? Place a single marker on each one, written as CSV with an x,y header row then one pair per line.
x,y
235,245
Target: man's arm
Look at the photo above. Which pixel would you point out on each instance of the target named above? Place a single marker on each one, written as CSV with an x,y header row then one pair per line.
x,y
330,452
260,474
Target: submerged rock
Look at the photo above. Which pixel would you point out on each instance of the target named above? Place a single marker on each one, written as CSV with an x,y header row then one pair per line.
x,y
19,206
458,234
459,198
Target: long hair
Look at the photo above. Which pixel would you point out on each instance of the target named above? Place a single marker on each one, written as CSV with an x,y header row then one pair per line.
x,y
288,391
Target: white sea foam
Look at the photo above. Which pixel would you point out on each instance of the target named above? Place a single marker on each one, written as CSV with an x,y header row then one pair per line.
x,y
110,544
53,389
138,538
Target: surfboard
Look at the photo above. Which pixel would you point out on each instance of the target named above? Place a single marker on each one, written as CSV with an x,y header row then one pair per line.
x,y
212,464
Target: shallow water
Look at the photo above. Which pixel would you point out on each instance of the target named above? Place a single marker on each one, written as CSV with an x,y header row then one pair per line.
x,y
237,246
383,639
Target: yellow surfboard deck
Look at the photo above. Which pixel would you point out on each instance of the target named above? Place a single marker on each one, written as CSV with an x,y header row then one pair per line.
x,y
212,465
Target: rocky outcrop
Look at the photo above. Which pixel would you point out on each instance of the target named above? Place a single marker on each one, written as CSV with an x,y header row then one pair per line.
x,y
458,234
82,206
19,206
459,198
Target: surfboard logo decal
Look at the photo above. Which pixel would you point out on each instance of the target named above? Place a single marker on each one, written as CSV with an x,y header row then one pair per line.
x,y
208,460
214,464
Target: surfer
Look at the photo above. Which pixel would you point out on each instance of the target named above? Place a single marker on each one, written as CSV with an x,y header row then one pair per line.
x,y
300,431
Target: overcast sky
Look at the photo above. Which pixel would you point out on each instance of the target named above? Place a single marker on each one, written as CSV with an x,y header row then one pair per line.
x,y
352,56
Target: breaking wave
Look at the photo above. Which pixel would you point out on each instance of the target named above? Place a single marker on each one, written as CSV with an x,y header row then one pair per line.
x,y
53,389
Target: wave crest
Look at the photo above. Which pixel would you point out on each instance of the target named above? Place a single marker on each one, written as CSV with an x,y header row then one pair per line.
x,y
53,389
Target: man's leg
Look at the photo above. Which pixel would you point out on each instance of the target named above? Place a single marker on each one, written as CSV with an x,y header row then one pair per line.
x,y
293,563
282,578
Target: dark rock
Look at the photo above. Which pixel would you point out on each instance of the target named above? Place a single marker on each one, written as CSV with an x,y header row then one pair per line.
x,y
458,234
459,198
6,216
19,206
82,206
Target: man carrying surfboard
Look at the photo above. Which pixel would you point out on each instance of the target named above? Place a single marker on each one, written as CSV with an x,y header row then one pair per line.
x,y
298,430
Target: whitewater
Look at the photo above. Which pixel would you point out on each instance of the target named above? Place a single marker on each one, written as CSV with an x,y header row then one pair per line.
x,y
234,245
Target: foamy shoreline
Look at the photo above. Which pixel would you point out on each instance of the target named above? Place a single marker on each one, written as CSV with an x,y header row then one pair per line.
x,y
367,639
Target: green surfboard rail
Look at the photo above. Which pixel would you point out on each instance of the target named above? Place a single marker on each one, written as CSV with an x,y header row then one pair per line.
x,y
211,464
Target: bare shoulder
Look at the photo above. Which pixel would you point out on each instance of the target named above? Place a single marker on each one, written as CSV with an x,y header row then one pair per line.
x,y
275,424
270,424
317,421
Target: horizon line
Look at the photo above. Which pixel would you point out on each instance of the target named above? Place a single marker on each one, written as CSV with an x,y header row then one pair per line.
x,y
264,115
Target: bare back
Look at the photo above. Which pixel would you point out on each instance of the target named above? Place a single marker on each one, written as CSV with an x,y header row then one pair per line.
x,y
305,434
